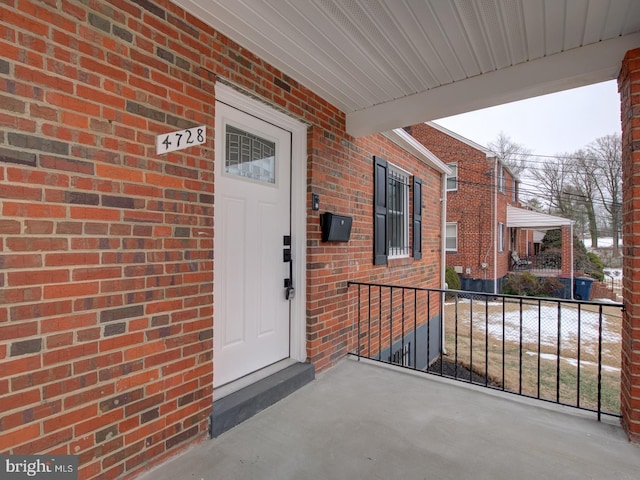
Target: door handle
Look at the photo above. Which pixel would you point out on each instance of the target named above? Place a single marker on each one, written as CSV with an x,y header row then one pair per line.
x,y
289,291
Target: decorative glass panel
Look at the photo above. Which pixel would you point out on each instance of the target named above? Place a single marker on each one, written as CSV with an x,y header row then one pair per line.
x,y
250,156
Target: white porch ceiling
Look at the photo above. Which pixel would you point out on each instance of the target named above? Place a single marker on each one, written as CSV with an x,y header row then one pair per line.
x,y
393,63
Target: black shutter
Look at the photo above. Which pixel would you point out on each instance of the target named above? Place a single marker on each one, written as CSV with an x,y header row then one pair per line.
x,y
417,218
380,241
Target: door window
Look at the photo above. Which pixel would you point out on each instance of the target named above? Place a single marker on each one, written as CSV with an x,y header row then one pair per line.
x,y
249,155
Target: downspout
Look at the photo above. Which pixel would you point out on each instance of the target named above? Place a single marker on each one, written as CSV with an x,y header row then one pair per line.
x,y
494,228
571,257
443,256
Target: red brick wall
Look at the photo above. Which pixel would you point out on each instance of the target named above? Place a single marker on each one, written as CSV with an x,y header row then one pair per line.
x,y
567,250
629,87
601,290
341,172
471,206
106,249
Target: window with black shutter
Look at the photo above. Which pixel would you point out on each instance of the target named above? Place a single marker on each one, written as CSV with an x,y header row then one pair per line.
x,y
380,244
417,218
391,213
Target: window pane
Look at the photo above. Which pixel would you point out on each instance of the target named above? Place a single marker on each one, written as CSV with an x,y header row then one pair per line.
x,y
250,156
451,239
452,180
397,212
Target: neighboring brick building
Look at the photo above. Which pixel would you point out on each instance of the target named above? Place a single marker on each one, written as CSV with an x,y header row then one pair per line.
x,y
485,223
107,252
478,240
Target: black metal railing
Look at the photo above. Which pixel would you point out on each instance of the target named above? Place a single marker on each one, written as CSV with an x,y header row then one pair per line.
x,y
551,262
561,351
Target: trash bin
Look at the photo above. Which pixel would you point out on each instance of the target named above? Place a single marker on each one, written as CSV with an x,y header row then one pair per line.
x,y
582,288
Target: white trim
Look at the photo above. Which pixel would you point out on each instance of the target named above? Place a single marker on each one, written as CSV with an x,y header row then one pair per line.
x,y
443,256
571,257
227,94
405,141
494,227
462,139
489,153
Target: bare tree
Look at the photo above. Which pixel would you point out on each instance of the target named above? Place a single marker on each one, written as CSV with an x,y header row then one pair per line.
x,y
512,154
554,183
607,155
534,204
584,182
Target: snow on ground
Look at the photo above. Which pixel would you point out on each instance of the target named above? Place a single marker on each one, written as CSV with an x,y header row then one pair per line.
x,y
545,325
603,242
573,361
615,273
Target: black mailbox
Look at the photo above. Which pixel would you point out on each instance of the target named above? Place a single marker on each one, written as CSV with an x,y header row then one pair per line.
x,y
335,228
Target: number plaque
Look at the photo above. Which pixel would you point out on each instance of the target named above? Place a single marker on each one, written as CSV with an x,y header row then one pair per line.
x,y
170,142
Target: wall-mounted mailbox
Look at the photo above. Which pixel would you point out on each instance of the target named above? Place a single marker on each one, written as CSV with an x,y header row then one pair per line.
x,y
335,228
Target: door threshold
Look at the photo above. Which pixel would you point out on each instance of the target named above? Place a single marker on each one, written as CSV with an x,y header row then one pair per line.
x,y
251,378
242,404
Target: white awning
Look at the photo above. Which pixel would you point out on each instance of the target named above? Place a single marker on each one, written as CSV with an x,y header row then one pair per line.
x,y
521,218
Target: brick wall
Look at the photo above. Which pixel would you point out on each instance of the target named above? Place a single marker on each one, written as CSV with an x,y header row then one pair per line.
x,y
106,249
601,290
341,172
567,251
471,206
629,87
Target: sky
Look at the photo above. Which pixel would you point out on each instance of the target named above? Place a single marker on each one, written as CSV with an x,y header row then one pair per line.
x,y
562,122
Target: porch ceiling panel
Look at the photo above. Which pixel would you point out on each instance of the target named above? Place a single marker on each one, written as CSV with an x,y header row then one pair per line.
x,y
392,63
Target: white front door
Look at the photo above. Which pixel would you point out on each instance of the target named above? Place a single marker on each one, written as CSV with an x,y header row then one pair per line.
x,y
252,224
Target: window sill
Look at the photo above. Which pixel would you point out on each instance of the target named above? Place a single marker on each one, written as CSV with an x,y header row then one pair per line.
x,y
399,262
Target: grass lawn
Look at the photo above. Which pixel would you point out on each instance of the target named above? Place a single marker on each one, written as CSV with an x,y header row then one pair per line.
x,y
533,348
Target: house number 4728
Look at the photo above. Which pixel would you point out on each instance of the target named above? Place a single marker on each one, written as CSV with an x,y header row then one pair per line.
x,y
170,142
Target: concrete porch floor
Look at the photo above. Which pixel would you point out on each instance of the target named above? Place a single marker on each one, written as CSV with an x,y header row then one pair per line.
x,y
367,421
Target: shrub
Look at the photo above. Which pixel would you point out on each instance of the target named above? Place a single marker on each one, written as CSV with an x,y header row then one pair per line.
x,y
526,284
588,262
452,278
596,269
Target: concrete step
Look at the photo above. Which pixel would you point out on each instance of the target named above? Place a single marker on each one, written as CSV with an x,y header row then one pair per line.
x,y
237,407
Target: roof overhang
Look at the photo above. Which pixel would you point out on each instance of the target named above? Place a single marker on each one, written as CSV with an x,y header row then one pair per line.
x,y
528,219
409,144
390,63
460,138
562,71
